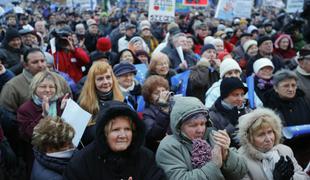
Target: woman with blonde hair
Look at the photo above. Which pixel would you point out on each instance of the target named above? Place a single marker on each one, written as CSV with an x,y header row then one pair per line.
x,y
100,86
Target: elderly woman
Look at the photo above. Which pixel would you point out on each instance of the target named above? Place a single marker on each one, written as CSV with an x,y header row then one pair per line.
x,y
293,108
100,86
156,95
284,49
192,152
266,158
53,148
159,65
137,43
117,151
250,51
128,56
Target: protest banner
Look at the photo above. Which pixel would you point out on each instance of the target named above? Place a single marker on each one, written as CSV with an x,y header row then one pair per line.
x,y
161,10
225,10
195,2
180,8
293,6
243,8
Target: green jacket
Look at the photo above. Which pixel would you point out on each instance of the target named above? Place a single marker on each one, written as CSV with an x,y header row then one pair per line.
x,y
173,154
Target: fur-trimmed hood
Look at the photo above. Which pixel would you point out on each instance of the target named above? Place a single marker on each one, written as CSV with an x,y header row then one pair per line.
x,y
245,123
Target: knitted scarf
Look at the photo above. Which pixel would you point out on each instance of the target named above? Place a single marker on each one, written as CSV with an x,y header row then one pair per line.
x,y
52,111
201,153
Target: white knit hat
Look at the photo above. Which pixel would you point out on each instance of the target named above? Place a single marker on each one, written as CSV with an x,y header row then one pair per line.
x,y
248,44
227,65
260,63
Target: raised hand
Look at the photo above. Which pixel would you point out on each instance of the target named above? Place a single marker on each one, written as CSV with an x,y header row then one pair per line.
x,y
217,155
64,101
222,139
45,106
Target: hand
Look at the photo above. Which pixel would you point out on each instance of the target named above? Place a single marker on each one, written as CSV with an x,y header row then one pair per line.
x,y
283,170
45,106
2,69
163,98
215,63
70,42
64,101
217,156
130,178
183,65
222,139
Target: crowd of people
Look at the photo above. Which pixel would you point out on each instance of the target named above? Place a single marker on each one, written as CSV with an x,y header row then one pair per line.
x,y
197,98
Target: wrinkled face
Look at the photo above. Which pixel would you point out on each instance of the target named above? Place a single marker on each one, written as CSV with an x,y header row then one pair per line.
x,y
209,54
263,139
46,88
253,50
156,93
138,46
219,46
104,82
15,43
36,63
284,43
39,27
232,73
235,98
194,128
120,136
266,47
265,73
127,56
286,88
93,29
126,80
29,39
162,66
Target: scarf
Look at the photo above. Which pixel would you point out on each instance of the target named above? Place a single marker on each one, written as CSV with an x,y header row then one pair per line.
x,y
270,158
62,154
264,84
302,72
102,97
201,153
126,90
52,111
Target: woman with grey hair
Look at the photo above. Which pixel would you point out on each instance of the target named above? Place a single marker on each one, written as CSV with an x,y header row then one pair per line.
x,y
266,158
53,148
293,108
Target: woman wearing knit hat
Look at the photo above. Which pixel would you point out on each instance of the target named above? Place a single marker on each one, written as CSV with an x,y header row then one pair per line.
x,y
250,49
263,70
284,48
228,68
229,106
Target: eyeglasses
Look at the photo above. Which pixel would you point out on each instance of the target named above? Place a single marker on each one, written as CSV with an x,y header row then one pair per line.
x,y
45,87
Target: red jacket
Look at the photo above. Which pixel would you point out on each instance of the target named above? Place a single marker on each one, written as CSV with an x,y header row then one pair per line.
x,y
71,62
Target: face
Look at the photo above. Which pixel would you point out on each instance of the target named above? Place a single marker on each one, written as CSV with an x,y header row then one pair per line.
x,y
209,54
80,30
194,129
93,29
46,88
253,50
162,67
156,93
263,139
126,80
265,72
36,63
39,27
27,39
120,136
232,73
15,43
235,98
203,32
11,21
182,41
190,43
127,56
284,43
146,32
286,88
219,46
266,47
138,45
305,65
130,32
143,58
104,82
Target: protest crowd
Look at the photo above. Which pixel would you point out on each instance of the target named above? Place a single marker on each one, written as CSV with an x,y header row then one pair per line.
x,y
115,92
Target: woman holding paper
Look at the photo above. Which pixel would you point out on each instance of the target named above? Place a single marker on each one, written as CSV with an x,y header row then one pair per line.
x,y
117,151
260,135
101,86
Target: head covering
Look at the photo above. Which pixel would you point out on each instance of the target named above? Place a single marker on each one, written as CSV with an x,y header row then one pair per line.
x,y
10,34
260,63
96,55
173,28
248,44
227,65
245,34
277,42
104,44
145,24
129,26
230,84
221,27
243,22
262,39
206,47
208,40
91,22
252,28
124,68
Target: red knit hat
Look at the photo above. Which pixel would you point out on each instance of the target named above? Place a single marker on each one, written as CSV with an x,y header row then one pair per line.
x,y
104,44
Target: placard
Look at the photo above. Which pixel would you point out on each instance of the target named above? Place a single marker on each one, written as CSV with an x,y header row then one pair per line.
x,y
195,2
161,10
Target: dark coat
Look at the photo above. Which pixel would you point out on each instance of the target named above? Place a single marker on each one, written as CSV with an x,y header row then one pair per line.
x,y
261,89
97,161
5,77
157,125
11,58
48,168
223,118
171,73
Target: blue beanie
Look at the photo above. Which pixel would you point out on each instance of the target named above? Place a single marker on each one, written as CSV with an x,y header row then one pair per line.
x,y
124,68
206,47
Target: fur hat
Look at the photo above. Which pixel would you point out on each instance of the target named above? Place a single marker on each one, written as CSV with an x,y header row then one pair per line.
x,y
227,65
260,63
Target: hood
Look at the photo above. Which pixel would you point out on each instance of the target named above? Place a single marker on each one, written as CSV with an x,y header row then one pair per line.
x,y
110,110
247,120
183,108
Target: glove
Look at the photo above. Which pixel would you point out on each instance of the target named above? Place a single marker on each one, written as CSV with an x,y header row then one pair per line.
x,y
7,154
284,169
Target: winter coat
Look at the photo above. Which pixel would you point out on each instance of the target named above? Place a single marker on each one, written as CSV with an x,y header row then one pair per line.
x,y
97,161
303,81
71,62
11,58
214,92
5,77
173,154
223,118
157,125
170,74
131,97
261,89
47,167
91,41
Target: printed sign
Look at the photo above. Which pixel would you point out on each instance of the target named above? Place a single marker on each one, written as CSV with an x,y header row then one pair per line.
x,y
195,2
228,9
294,6
161,10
